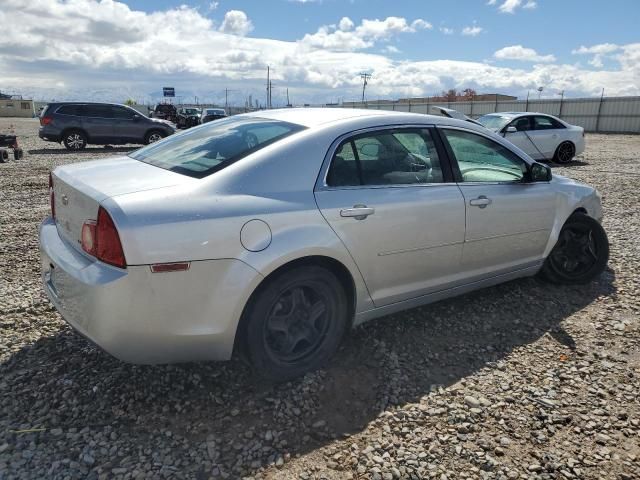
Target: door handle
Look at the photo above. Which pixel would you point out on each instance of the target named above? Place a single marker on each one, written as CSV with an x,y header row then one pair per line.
x,y
359,212
481,202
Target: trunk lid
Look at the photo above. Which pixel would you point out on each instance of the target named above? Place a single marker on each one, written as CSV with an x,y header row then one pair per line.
x,y
80,188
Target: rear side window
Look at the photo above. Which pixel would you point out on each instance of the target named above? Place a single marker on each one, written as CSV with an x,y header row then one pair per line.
x,y
69,110
388,157
203,150
547,123
122,113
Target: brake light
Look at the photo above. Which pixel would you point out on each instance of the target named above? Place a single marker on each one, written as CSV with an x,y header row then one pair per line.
x,y
45,121
52,198
101,240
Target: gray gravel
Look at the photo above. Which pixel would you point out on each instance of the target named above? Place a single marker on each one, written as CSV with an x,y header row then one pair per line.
x,y
523,380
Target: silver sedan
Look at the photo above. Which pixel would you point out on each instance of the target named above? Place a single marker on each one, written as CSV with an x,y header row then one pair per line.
x,y
273,233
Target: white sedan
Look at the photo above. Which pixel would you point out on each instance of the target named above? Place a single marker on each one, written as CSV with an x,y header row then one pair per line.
x,y
541,136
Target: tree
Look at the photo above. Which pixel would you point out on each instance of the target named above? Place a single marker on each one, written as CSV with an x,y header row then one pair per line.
x,y
130,102
469,93
450,95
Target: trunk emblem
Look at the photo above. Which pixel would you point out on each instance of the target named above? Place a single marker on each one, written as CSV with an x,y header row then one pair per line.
x,y
65,200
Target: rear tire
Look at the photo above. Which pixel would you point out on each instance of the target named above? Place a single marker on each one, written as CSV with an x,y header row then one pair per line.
x,y
18,153
153,136
564,153
4,156
295,323
75,140
581,253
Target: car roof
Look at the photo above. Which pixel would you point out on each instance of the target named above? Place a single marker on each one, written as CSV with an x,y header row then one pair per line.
x,y
314,117
517,114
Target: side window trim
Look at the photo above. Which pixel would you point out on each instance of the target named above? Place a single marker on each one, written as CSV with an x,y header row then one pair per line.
x,y
350,137
454,160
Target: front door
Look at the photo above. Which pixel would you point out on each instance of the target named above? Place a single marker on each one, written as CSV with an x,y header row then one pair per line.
x,y
546,134
509,219
125,125
522,137
391,200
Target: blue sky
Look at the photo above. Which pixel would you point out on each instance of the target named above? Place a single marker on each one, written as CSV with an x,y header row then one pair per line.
x,y
316,48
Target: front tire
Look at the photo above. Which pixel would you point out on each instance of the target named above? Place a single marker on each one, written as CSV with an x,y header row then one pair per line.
x,y
581,253
295,323
75,140
153,136
564,153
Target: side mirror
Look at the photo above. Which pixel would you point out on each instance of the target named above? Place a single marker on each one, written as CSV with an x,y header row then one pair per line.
x,y
540,173
511,129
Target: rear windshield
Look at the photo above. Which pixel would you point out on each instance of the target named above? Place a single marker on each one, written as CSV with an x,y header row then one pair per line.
x,y
494,122
203,150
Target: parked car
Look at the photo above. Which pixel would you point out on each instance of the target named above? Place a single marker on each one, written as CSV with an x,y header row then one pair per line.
x,y
210,114
273,233
541,136
188,117
165,111
78,124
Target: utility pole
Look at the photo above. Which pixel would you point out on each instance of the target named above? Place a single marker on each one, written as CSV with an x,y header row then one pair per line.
x,y
226,99
288,102
268,88
365,80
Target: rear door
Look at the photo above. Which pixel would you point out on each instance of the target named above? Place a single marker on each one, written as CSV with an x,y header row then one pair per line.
x,y
509,219
97,121
390,197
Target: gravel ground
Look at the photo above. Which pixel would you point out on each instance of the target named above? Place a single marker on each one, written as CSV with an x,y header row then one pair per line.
x,y
523,380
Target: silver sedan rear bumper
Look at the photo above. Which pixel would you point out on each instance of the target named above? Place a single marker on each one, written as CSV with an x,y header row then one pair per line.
x,y
144,317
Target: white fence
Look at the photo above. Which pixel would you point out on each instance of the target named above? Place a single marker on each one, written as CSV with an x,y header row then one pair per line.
x,y
606,115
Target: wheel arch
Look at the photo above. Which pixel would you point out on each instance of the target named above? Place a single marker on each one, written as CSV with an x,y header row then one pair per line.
x,y
335,266
75,129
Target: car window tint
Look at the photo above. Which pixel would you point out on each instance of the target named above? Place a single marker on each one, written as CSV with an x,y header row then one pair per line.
x,y
343,171
123,113
386,158
483,160
68,110
207,149
99,111
522,124
545,123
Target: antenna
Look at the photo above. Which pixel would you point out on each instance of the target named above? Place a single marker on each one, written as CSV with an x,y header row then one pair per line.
x,y
365,80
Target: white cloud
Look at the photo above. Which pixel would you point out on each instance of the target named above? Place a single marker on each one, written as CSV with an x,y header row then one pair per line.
x,y
213,5
447,31
107,51
346,38
510,6
236,22
472,31
599,52
391,49
518,52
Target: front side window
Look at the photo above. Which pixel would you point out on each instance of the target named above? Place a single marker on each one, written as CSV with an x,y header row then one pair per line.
x,y
203,150
389,157
483,160
522,124
122,113
97,111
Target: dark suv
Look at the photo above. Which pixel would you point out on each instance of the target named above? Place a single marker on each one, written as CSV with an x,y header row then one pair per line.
x,y
78,124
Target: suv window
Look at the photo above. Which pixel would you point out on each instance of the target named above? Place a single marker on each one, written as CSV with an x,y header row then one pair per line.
x,y
546,123
202,151
69,110
388,157
122,113
483,160
99,111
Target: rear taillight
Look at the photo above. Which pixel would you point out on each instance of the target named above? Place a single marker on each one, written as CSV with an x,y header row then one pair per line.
x,y
52,198
101,240
45,120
